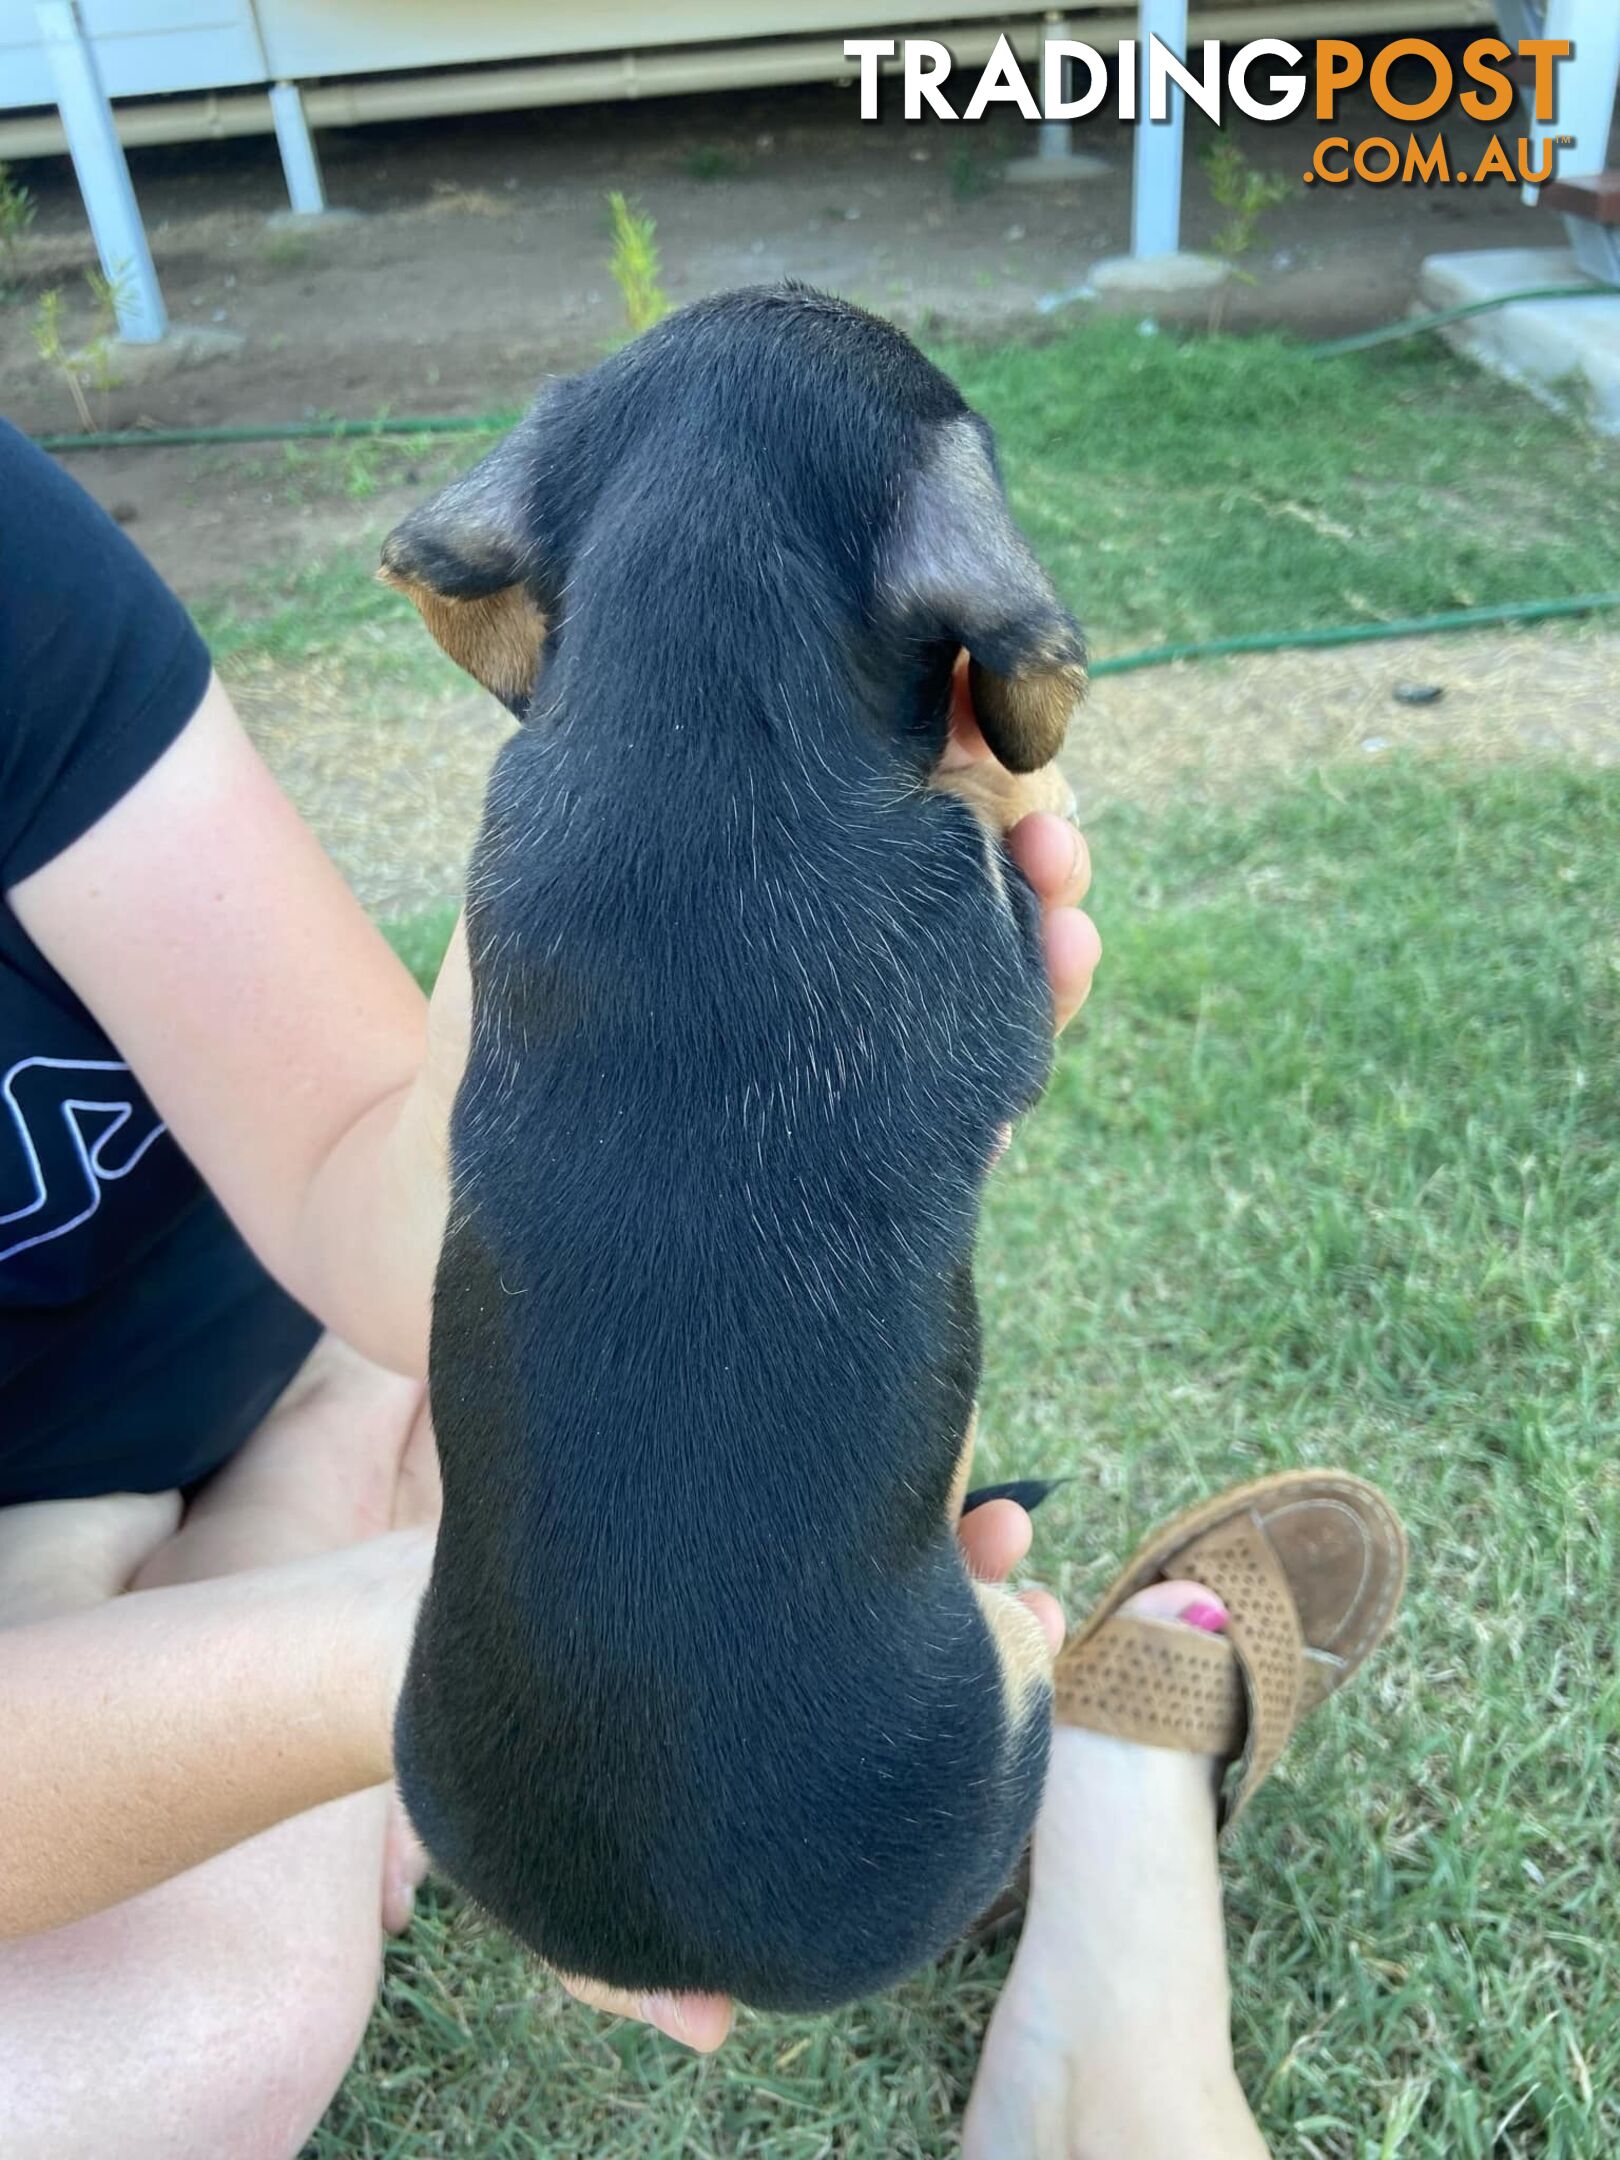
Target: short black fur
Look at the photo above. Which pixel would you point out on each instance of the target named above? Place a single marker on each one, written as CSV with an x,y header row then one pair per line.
x,y
702,1697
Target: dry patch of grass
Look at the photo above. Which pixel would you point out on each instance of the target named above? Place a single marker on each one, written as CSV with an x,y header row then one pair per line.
x,y
390,777
1212,726
391,772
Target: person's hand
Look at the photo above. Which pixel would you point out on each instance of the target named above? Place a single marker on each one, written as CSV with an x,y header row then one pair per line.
x,y
1054,858
994,1538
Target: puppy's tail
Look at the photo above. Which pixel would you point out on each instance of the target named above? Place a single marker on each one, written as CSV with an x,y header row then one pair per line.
x,y
1027,1492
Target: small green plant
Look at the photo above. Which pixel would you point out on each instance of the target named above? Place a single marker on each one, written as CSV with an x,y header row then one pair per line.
x,y
970,175
286,249
709,162
17,208
635,265
47,329
107,296
93,362
1245,194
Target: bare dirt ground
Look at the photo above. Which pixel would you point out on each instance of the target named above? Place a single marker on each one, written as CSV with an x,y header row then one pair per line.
x,y
478,262
396,797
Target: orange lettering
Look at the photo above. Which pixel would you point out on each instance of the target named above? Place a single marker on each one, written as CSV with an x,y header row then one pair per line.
x,y
1419,49
1386,150
1536,175
1338,67
1476,64
1434,166
1544,51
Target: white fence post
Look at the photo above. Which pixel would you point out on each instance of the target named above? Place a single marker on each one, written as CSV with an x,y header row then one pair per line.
x,y
1156,187
305,190
1055,138
104,182
1586,86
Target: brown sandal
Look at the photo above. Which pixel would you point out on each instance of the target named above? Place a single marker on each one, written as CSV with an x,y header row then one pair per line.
x,y
1309,1565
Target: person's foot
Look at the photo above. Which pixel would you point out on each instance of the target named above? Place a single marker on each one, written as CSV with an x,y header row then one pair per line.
x,y
1110,2040
323,1470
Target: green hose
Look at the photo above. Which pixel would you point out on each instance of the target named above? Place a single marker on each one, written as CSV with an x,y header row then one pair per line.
x,y
280,431
1417,325
480,423
1265,641
1257,641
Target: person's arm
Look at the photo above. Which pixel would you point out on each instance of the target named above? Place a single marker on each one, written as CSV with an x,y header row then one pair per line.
x,y
219,1708
289,1051
287,1048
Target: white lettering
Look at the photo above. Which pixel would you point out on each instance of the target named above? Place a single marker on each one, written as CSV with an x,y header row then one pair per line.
x,y
1002,83
920,85
1127,78
1164,68
869,51
1057,106
1288,90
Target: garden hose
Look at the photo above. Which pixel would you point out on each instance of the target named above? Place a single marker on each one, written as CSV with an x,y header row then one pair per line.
x,y
479,423
280,431
1269,641
1418,325
1257,641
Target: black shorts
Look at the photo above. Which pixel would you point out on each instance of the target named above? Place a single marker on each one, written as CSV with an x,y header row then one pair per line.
x,y
155,1380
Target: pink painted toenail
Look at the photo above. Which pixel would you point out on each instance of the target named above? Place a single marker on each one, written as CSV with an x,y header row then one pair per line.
x,y
1203,1614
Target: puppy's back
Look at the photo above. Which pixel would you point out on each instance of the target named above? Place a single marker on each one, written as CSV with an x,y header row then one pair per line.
x,y
742,1727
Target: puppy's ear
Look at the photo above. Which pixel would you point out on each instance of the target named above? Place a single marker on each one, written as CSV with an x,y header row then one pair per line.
x,y
958,567
468,561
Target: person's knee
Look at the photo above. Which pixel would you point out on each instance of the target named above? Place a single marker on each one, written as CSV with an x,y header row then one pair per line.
x,y
302,2028
236,2049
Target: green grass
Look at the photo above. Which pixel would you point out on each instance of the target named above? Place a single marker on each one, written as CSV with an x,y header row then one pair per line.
x,y
1176,489
1327,1174
1187,489
709,161
352,469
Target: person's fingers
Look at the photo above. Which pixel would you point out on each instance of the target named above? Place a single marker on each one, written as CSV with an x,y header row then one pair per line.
x,y
700,2022
405,1867
1049,1613
994,1538
1073,950
1053,855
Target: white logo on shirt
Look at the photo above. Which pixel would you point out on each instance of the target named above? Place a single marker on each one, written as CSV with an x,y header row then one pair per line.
x,y
68,1166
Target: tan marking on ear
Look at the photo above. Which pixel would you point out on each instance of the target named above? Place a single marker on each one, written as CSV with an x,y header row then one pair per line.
x,y
1026,716
956,555
497,639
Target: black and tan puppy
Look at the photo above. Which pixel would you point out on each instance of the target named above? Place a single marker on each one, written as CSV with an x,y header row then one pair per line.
x,y
702,1696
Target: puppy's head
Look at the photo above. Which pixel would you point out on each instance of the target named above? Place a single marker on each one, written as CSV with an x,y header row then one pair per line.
x,y
787,423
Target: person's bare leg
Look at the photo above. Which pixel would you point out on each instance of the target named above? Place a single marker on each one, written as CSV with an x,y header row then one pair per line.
x,y
63,1556
216,2014
1111,2039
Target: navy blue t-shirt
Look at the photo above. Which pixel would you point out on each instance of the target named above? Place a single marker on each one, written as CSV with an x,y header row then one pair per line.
x,y
116,1265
